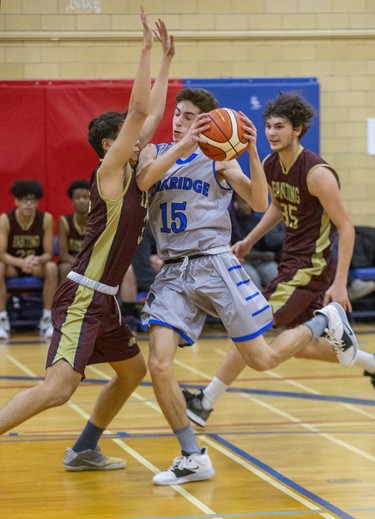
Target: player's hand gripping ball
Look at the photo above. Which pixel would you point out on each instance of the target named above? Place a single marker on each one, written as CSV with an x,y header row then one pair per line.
x,y
225,140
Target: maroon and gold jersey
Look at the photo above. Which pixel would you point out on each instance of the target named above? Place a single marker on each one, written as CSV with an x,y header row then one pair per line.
x,y
113,231
310,233
74,235
25,242
307,266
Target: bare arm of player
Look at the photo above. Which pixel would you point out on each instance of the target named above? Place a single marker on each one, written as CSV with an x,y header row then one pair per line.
x,y
254,191
6,258
258,196
48,237
323,184
151,169
63,245
111,171
268,221
160,86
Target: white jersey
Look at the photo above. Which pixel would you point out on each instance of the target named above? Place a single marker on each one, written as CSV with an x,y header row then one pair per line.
x,y
188,208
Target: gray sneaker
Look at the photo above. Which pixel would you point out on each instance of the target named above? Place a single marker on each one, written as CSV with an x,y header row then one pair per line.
x,y
194,408
186,468
339,333
92,459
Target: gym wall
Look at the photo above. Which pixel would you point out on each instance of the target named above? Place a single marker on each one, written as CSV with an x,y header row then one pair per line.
x,y
331,40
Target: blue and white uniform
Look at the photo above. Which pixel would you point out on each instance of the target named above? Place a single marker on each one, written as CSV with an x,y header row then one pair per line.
x,y
188,210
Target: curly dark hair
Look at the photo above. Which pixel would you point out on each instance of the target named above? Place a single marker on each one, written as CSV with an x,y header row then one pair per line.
x,y
291,106
77,184
105,126
22,188
200,97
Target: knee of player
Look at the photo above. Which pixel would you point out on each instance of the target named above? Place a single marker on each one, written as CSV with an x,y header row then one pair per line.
x,y
160,368
57,396
259,362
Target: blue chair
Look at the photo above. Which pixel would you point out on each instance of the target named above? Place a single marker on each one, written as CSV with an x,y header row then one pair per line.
x,y
25,302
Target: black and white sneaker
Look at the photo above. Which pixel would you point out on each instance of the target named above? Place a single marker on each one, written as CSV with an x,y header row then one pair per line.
x,y
186,468
371,375
194,408
339,333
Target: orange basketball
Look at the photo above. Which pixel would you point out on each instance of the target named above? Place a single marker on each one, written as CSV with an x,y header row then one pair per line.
x,y
225,139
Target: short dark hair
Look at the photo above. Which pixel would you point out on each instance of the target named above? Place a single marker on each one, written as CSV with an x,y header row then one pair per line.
x,y
77,184
23,188
200,97
293,107
105,126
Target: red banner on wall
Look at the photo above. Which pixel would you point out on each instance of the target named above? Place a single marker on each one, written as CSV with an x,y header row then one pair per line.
x,y
44,130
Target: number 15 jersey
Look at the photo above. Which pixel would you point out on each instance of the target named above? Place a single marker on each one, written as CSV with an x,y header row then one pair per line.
x,y
188,207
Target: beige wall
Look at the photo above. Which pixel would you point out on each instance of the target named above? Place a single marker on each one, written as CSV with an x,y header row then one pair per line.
x,y
333,40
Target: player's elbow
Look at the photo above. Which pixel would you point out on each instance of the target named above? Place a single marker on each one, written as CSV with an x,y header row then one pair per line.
x,y
139,111
259,206
142,182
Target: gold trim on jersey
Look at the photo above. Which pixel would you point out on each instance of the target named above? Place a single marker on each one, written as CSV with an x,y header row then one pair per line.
x,y
302,277
79,228
25,226
71,328
103,244
286,169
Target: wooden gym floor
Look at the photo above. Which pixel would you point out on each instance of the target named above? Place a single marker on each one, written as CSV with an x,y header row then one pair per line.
x,y
296,442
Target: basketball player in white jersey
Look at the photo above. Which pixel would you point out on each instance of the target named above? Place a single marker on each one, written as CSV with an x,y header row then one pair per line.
x,y
190,222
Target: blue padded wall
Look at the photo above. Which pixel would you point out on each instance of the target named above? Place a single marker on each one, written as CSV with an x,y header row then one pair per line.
x,y
251,95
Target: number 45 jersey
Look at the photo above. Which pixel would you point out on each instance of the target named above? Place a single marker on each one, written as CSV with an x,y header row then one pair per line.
x,y
188,207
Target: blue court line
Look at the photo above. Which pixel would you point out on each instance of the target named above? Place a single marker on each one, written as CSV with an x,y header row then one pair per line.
x,y
291,394
267,392
283,479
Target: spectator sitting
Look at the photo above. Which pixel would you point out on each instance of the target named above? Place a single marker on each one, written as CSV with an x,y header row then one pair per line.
x,y
262,262
72,226
26,249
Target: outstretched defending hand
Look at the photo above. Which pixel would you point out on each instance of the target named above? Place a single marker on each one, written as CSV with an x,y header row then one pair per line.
x,y
166,40
148,33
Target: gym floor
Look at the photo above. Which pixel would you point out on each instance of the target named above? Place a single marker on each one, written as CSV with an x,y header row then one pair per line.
x,y
295,442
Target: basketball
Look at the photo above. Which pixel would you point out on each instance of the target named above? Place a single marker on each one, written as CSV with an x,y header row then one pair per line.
x,y
225,139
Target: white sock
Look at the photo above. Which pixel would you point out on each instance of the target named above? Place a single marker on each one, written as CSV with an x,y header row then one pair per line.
x,y
365,360
46,313
213,392
4,314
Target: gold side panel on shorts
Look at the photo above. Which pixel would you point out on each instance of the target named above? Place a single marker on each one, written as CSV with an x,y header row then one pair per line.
x,y
71,329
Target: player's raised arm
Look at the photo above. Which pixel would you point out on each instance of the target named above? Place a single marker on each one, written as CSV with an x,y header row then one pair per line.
x,y
150,169
111,171
160,86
